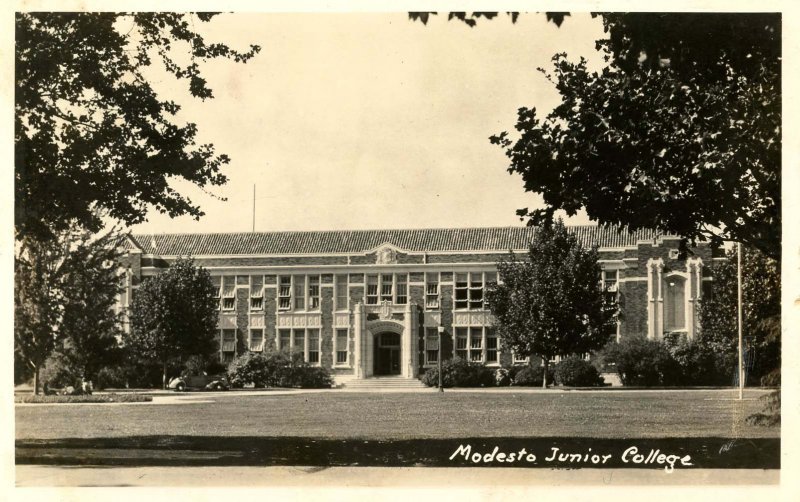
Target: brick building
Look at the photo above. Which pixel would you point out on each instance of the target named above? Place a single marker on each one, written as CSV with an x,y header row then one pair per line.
x,y
368,303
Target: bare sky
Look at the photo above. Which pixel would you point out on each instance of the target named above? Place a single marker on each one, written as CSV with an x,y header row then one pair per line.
x,y
353,121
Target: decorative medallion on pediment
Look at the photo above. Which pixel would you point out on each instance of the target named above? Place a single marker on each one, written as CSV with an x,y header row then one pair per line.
x,y
386,255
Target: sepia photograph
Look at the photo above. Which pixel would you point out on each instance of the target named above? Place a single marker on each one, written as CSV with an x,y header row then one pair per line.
x,y
344,248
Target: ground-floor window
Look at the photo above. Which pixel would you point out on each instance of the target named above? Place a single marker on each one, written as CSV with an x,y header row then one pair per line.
x,y
228,344
431,346
303,340
477,344
342,347
256,340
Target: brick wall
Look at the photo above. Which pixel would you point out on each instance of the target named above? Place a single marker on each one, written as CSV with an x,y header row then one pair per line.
x,y
270,310
242,321
326,333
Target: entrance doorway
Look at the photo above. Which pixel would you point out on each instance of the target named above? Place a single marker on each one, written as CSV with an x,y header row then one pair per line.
x,y
387,354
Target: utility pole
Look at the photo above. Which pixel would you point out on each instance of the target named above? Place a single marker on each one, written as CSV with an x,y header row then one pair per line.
x,y
739,303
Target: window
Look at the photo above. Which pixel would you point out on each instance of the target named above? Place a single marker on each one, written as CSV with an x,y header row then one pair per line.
x,y
256,292
387,288
674,303
477,344
313,292
402,289
285,292
304,341
285,339
342,346
341,293
491,346
461,342
299,292
490,283
432,290
256,340
372,290
431,345
469,290
610,280
228,292
312,354
217,282
228,344
519,359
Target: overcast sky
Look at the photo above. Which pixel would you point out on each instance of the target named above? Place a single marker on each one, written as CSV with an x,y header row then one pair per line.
x,y
357,121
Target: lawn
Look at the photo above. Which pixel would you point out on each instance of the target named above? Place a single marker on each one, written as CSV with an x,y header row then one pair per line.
x,y
398,416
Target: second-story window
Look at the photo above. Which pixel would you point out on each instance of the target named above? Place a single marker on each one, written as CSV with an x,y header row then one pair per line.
x,y
387,287
469,290
372,290
285,292
228,292
256,292
401,289
432,290
341,292
313,292
299,292
217,282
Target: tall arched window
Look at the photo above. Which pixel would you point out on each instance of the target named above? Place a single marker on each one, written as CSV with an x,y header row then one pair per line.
x,y
674,303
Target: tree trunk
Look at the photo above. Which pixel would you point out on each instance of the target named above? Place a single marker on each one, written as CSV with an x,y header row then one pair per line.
x,y
164,377
36,381
545,364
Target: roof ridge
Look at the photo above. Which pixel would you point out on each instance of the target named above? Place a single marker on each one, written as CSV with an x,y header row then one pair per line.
x,y
508,227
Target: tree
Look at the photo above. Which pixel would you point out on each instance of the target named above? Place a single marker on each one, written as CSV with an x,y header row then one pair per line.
x,y
761,306
90,131
174,315
91,324
64,290
552,303
680,132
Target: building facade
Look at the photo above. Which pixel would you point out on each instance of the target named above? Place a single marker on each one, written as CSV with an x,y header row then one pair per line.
x,y
370,303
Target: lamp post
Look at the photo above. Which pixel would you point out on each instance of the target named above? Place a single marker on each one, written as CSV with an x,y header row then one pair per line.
x,y
440,329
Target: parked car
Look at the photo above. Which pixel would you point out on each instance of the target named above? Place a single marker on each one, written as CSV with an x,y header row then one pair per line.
x,y
199,382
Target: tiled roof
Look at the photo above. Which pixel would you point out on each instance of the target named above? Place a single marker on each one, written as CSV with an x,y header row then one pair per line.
x,y
359,241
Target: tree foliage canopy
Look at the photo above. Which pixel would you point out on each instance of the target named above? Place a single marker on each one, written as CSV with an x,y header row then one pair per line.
x,y
761,311
91,133
552,303
64,290
174,314
681,130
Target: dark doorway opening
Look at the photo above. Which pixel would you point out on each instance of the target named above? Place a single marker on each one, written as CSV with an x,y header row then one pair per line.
x,y
387,354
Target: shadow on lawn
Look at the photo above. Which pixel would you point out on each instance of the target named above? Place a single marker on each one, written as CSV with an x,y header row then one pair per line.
x,y
710,452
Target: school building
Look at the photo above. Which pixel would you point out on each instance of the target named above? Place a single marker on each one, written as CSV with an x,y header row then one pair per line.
x,y
367,303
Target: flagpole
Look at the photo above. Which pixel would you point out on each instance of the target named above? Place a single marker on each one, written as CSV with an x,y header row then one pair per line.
x,y
254,207
739,304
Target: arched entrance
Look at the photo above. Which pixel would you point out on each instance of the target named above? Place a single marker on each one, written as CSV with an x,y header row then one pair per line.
x,y
388,348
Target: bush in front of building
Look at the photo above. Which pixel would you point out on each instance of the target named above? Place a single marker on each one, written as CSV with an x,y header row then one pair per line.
x,y
575,371
530,376
458,372
277,369
640,362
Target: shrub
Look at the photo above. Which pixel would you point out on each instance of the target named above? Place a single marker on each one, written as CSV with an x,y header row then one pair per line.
x,y
457,372
276,369
107,398
502,377
577,372
58,374
112,377
531,376
642,362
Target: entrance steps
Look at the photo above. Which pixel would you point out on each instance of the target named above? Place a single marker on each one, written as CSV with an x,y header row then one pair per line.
x,y
384,383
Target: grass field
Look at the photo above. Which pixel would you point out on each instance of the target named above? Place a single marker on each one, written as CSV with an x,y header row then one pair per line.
x,y
340,415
